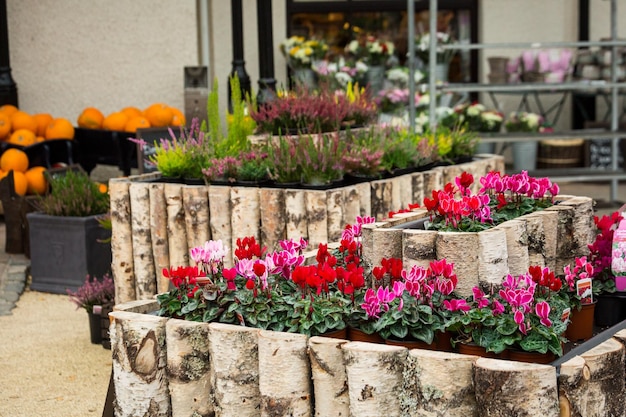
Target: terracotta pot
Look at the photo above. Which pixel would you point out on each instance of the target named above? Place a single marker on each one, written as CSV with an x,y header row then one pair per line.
x,y
412,344
473,349
356,335
337,334
581,323
531,357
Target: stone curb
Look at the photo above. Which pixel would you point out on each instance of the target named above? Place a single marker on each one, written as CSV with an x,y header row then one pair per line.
x,y
12,284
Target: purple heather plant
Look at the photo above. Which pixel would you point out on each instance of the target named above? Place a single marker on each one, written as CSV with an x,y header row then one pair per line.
x,y
93,292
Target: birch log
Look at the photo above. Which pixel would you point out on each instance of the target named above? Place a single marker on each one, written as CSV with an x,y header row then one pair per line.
x,y
196,206
188,368
374,378
177,235
145,275
406,191
396,194
387,243
296,215
158,235
605,390
364,190
418,247
317,228
234,362
583,225
381,198
139,365
417,188
330,383
219,219
246,217
566,244
433,181
499,386
460,248
573,385
284,374
121,241
352,206
273,217
450,172
334,211
536,239
516,246
492,256
438,384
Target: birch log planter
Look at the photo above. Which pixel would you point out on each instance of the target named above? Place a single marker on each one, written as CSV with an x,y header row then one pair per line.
x,y
165,367
553,237
156,223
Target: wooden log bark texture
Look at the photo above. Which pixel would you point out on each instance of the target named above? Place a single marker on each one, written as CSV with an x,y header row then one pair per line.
x,y
582,223
297,225
381,198
188,368
330,383
460,249
516,246
433,180
438,384
573,384
335,214
158,235
387,243
374,378
493,257
196,205
282,354
499,386
176,228
234,363
143,261
417,188
418,247
246,219
139,365
122,241
364,191
219,219
273,217
316,214
352,204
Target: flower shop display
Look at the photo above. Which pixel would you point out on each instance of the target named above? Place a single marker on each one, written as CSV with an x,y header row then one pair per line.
x,y
443,56
67,241
375,52
524,152
580,291
336,75
301,53
92,296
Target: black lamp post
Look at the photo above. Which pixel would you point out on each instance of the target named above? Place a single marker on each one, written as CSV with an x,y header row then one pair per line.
x,y
8,88
267,82
239,64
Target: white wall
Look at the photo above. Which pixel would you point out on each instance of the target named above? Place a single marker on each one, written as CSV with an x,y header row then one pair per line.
x,y
70,54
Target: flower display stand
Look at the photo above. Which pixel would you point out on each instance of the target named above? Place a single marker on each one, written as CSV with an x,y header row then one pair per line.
x,y
154,223
175,367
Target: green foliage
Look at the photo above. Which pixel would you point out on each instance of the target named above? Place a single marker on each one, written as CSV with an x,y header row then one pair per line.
x,y
73,194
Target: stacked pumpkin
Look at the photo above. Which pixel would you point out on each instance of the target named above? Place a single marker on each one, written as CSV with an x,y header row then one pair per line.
x,y
129,119
21,128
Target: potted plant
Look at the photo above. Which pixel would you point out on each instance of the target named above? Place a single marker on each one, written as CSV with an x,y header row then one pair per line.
x,y
320,158
284,167
95,296
67,241
579,289
301,53
523,315
611,305
364,153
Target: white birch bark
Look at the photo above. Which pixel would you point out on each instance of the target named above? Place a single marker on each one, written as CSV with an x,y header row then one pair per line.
x,y
122,265
460,248
188,368
364,191
498,385
219,219
317,217
282,354
418,247
246,217
196,206
516,245
234,363
139,365
375,378
438,384
433,181
177,234
417,188
158,235
273,217
329,377
352,204
381,198
335,216
145,275
573,385
297,222
493,256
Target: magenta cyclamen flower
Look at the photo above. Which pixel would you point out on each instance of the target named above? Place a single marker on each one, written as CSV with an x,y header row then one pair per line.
x,y
543,311
519,319
480,297
456,304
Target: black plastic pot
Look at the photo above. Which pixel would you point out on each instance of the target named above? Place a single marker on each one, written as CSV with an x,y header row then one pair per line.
x,y
610,309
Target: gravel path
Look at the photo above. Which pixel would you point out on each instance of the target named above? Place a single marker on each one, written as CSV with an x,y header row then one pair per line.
x,y
48,365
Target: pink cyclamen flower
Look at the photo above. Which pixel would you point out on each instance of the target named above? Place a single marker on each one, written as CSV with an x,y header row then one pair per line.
x,y
455,305
519,319
543,311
